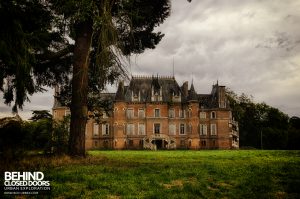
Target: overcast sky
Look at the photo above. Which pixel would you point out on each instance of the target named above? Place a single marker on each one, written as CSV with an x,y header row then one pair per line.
x,y
250,46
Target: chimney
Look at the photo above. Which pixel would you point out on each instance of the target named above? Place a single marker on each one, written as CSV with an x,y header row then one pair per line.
x,y
185,89
120,91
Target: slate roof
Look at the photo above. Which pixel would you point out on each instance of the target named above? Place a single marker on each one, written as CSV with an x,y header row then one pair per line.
x,y
142,87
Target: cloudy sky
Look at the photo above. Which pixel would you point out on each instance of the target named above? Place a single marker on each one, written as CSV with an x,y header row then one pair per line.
x,y
250,46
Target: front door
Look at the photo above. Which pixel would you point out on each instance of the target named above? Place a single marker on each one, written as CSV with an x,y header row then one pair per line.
x,y
160,144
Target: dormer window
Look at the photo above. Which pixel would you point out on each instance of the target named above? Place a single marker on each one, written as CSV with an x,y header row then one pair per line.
x,y
136,96
213,115
156,94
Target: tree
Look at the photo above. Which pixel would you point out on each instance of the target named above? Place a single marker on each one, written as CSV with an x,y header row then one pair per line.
x,y
260,125
40,114
294,133
102,30
32,53
105,29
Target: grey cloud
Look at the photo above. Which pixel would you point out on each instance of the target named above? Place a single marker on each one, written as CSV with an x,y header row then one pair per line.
x,y
251,46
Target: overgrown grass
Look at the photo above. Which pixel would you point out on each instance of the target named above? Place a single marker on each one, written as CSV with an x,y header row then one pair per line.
x,y
174,174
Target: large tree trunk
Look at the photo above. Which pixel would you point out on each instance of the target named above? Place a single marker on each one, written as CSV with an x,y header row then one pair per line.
x,y
79,110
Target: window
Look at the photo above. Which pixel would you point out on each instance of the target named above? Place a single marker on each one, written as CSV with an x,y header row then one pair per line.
x,y
182,129
202,115
203,129
96,144
213,143
130,129
141,113
182,113
104,115
130,113
96,129
182,143
156,113
105,129
130,142
67,112
190,113
105,143
172,129
213,115
189,128
141,129
171,113
141,143
213,129
157,128
203,143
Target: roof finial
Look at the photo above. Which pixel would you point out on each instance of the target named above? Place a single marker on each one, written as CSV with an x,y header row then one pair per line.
x,y
173,68
192,79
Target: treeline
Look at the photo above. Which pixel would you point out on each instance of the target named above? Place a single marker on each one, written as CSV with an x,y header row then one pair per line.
x,y
40,135
262,126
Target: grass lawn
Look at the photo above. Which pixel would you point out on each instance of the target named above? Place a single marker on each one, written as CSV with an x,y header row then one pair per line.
x,y
177,174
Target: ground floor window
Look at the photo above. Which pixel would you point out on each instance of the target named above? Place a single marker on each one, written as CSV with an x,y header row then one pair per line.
x,y
141,143
130,142
203,143
182,143
105,143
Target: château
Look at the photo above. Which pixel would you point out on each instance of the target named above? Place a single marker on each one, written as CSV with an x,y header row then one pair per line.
x,y
154,112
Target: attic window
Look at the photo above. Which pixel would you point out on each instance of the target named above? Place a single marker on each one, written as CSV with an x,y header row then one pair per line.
x,y
213,115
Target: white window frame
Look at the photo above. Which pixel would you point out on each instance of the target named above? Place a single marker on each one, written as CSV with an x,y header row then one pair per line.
x,y
203,129
141,129
105,129
189,128
154,128
180,128
104,115
67,112
130,113
181,113
95,129
202,115
213,129
130,129
141,113
213,115
156,109
172,113
190,113
172,129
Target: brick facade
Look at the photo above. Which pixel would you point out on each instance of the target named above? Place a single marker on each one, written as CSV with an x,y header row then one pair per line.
x,y
155,113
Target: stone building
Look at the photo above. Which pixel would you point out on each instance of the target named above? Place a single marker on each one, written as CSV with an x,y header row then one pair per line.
x,y
156,113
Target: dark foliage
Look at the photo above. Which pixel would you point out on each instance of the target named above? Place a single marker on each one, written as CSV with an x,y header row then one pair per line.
x,y
32,54
263,126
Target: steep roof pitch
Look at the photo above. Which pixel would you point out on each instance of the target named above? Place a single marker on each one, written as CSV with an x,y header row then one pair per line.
x,y
143,87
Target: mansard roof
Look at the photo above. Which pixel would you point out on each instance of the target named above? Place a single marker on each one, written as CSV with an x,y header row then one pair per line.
x,y
166,88
144,86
